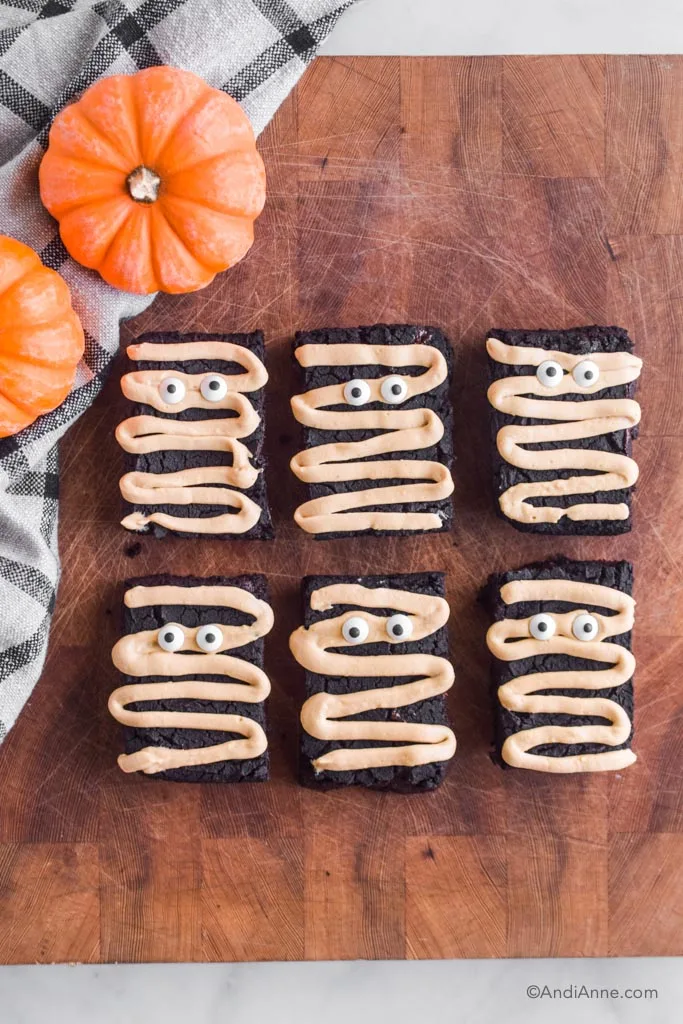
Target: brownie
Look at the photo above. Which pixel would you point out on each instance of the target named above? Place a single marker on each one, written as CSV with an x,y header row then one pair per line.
x,y
615,575
579,341
430,711
438,400
153,617
172,461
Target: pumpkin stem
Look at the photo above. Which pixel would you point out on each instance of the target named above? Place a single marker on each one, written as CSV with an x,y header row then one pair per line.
x,y
143,185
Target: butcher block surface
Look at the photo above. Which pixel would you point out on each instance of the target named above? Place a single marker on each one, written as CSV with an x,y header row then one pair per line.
x,y
465,193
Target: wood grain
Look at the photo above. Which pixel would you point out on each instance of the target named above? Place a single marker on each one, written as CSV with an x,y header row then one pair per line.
x,y
463,192
150,872
252,899
51,902
645,893
354,896
456,875
557,896
553,116
644,148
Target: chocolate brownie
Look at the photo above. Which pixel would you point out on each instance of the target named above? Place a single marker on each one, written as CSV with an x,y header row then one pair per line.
x,y
195,382
581,366
558,619
369,410
147,610
359,627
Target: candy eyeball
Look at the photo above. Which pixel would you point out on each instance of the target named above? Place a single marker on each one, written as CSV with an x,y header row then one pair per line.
x,y
209,638
357,392
542,626
549,374
355,630
586,373
172,390
585,627
213,388
170,637
394,390
399,627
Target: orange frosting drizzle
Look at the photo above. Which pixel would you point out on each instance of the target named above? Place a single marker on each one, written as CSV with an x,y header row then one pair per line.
x,y
511,640
402,430
146,433
138,654
422,743
578,420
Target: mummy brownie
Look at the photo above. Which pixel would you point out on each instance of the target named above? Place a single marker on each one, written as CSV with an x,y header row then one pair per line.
x,y
563,420
194,685
563,667
377,421
375,651
195,439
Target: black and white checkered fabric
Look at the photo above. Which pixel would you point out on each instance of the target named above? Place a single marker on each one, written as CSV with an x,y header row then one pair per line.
x,y
50,51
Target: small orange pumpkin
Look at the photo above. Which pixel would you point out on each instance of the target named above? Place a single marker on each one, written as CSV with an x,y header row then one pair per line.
x,y
155,180
41,338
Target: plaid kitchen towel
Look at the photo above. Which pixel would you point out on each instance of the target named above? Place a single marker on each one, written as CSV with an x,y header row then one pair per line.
x,y
50,51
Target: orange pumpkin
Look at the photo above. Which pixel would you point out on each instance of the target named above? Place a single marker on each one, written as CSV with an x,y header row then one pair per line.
x,y
41,338
155,180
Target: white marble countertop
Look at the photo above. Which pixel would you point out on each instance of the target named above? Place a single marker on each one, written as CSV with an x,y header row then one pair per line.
x,y
472,992
422,27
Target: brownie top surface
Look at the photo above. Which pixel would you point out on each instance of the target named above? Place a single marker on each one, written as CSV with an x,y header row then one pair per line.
x,y
575,340
560,567
252,340
616,575
429,584
420,582
155,615
377,334
250,582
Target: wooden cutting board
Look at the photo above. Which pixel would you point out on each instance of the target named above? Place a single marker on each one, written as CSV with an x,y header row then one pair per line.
x,y
463,193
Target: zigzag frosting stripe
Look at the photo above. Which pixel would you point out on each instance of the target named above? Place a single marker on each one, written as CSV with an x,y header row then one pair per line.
x,y
511,640
326,716
139,654
399,430
574,420
145,434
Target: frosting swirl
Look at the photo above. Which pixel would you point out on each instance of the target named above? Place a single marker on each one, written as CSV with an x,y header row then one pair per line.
x,y
145,433
399,430
578,420
511,640
413,743
139,654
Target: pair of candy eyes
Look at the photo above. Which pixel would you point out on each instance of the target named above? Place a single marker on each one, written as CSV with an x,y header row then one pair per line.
x,y
543,627
392,389
208,638
212,387
585,374
356,629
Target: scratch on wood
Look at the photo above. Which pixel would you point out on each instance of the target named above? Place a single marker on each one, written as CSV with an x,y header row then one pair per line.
x,y
612,255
